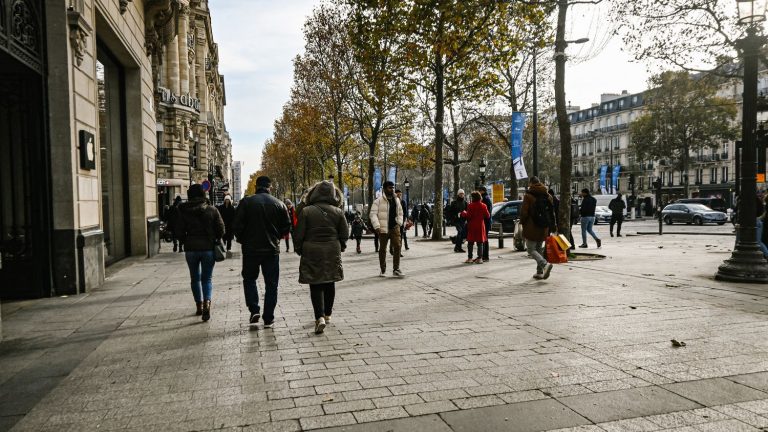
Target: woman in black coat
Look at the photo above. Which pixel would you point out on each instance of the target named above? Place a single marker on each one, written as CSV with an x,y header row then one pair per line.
x,y
227,212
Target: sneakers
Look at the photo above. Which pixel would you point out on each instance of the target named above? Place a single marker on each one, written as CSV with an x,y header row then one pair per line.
x,y
583,246
327,320
468,261
269,324
397,273
538,276
599,243
254,318
547,271
319,325
382,274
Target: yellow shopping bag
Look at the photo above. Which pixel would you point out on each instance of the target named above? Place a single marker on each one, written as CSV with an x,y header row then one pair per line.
x,y
563,242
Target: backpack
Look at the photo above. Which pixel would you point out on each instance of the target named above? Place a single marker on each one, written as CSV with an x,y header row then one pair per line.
x,y
543,213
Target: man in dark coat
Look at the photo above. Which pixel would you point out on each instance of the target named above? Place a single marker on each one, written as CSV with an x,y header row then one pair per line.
x,y
587,212
170,223
617,207
536,203
260,222
425,217
227,212
457,206
487,201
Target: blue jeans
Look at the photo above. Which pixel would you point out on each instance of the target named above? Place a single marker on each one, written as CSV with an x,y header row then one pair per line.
x,y
586,227
759,226
269,265
201,273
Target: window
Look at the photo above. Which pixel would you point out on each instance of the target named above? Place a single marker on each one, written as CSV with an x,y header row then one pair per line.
x,y
621,103
634,99
724,175
713,175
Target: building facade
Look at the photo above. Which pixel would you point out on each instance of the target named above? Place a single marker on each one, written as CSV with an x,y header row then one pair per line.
x,y
79,130
237,181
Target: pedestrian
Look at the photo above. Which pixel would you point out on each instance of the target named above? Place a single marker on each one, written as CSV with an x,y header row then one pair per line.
x,y
538,218
261,221
199,226
489,205
415,217
387,218
476,214
294,220
556,205
357,230
403,230
425,218
320,237
170,225
617,206
227,212
457,206
587,213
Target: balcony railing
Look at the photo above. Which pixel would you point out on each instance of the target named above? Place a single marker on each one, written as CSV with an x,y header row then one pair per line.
x,y
163,156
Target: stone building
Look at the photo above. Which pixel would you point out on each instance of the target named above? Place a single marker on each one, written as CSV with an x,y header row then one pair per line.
x,y
79,81
237,180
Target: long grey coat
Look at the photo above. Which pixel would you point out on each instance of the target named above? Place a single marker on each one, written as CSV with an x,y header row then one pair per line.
x,y
320,237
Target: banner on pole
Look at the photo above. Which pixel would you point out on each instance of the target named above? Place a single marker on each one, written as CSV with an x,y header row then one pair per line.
x,y
615,178
516,145
603,173
392,175
377,182
498,192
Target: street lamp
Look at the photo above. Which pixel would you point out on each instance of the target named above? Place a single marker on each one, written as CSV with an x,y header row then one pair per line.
x,y
483,166
407,185
747,263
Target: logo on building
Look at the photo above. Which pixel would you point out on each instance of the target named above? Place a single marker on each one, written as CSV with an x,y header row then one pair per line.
x,y
170,98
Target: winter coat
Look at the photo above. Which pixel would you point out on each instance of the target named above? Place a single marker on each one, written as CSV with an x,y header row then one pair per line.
x,y
358,226
476,214
198,225
531,231
588,206
454,210
261,221
294,220
617,207
488,204
320,237
380,214
425,216
228,215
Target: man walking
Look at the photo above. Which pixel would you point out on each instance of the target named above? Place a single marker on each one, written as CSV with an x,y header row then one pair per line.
x,y
617,206
587,213
387,218
487,201
457,206
425,217
260,222
403,231
538,218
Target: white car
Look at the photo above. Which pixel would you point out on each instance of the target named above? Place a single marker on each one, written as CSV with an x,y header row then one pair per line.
x,y
602,214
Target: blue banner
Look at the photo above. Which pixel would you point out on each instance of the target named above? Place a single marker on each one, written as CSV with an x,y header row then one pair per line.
x,y
615,178
516,144
445,194
377,181
603,173
392,174
346,191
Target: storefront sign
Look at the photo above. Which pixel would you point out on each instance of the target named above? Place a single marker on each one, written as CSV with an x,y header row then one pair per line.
x,y
498,192
168,97
87,151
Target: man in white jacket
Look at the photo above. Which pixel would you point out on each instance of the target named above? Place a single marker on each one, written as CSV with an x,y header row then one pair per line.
x,y
387,218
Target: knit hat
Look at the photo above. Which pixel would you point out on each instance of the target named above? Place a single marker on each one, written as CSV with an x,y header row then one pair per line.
x,y
460,192
195,191
227,197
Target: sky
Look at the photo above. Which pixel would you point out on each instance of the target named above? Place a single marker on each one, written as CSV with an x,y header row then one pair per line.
x,y
258,40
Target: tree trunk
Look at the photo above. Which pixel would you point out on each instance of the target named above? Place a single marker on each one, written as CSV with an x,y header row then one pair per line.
x,y
437,231
512,179
339,170
371,169
566,157
456,174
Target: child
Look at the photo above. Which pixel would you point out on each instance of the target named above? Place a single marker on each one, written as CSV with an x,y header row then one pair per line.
x,y
475,215
357,230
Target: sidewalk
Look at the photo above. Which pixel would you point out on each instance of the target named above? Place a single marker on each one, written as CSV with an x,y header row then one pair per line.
x,y
451,347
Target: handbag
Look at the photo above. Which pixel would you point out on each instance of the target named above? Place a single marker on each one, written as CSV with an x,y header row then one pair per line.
x,y
563,242
219,254
555,255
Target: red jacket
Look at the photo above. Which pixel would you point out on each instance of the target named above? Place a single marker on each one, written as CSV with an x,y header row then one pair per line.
x,y
476,214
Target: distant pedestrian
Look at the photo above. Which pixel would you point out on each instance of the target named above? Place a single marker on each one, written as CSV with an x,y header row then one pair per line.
x,y
538,218
556,205
403,230
425,217
476,214
227,212
489,205
199,226
358,226
320,237
171,216
260,222
294,220
453,215
587,213
617,206
387,218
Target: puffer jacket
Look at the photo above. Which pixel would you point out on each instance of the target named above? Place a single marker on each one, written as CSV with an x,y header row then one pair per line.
x,y
531,231
380,214
198,225
320,237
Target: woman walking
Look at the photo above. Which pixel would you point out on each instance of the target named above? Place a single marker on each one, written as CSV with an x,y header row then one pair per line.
x,y
199,225
294,221
320,237
475,215
357,230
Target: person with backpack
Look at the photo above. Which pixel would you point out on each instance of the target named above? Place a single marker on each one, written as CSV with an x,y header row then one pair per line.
x,y
538,218
476,214
617,206
587,213
358,226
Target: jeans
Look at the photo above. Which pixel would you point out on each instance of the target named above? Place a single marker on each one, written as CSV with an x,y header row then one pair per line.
x,y
759,226
480,249
404,236
536,250
617,220
322,298
392,235
270,266
461,233
201,273
586,227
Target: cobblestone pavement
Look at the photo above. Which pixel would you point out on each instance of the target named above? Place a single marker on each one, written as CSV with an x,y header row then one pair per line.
x,y
451,347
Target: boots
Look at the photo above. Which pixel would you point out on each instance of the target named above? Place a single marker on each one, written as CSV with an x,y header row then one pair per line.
x,y
199,308
206,310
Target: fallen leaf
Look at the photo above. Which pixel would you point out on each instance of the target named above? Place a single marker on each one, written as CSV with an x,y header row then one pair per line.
x,y
661,247
677,344
328,398
633,307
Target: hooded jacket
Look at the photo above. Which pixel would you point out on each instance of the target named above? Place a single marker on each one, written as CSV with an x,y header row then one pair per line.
x,y
531,231
321,236
198,225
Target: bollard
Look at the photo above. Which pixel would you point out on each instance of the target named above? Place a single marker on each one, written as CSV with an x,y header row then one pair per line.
x,y
499,229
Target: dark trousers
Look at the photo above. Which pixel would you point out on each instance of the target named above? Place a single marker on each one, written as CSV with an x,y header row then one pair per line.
x,y
486,245
228,244
461,234
269,265
393,236
425,228
480,249
616,220
357,240
287,244
404,236
322,298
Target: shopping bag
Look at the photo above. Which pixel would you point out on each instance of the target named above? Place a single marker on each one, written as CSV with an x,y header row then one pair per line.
x,y
563,242
555,255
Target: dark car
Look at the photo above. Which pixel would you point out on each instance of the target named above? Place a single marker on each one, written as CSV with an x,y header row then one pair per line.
x,y
717,204
507,214
698,214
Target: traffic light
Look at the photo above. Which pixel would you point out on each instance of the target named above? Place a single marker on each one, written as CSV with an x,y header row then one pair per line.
x,y
632,182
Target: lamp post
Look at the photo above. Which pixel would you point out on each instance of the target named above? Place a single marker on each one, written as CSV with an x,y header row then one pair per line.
x,y
407,185
483,166
747,263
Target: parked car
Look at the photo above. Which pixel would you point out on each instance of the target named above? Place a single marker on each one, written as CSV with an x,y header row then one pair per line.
x,y
717,204
698,214
602,214
507,214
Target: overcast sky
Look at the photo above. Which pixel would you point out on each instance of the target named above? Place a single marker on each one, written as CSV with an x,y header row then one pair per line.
x,y
259,38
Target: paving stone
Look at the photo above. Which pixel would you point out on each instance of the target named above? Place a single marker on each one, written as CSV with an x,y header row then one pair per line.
x,y
630,425
339,407
478,402
624,404
430,408
726,426
391,401
296,413
716,391
380,414
757,380
523,417
428,423
327,421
